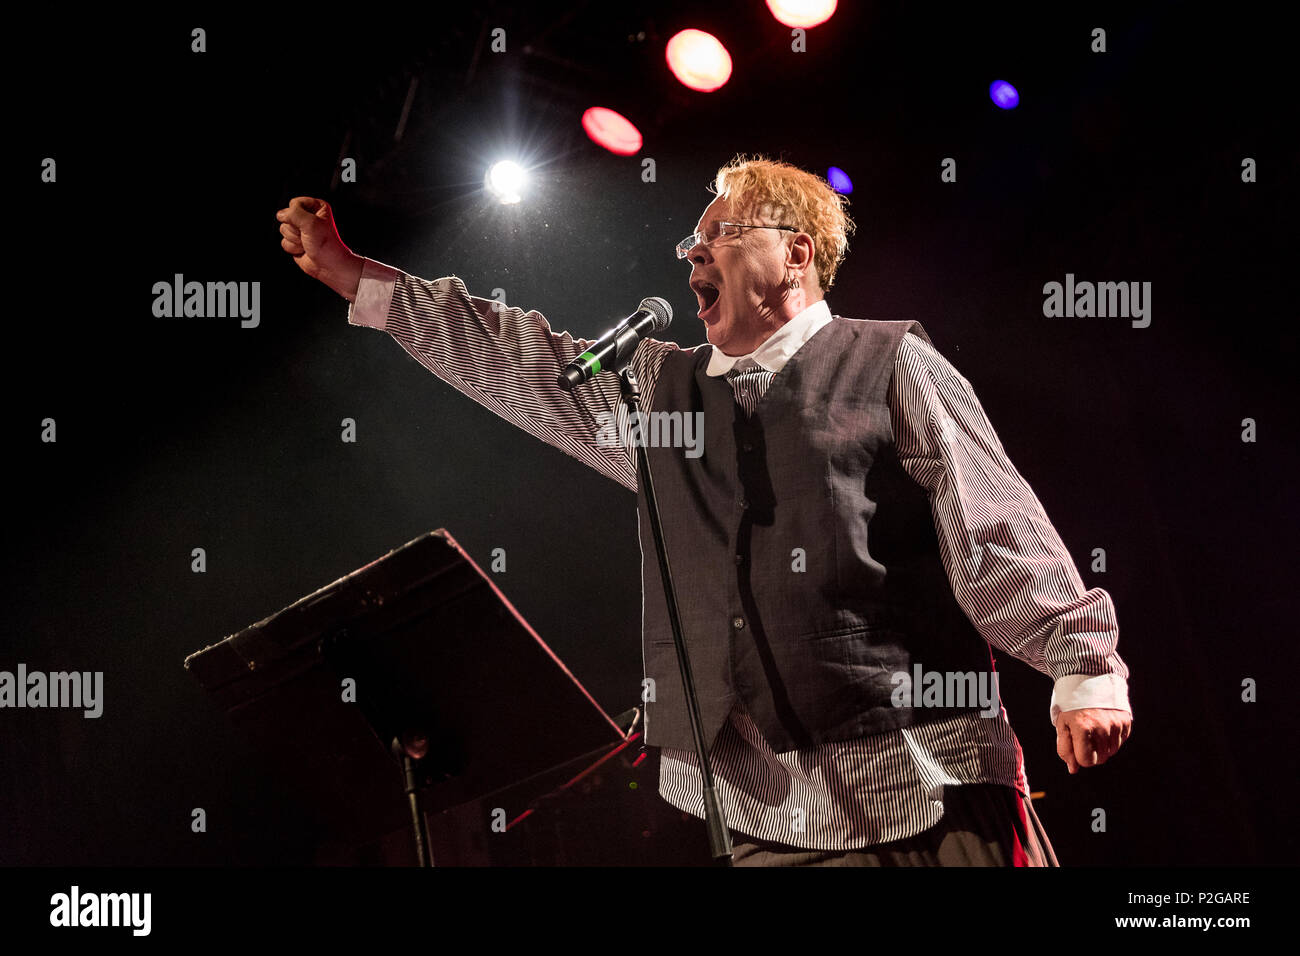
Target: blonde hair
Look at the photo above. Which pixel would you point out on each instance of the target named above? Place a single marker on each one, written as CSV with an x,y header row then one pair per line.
x,y
794,198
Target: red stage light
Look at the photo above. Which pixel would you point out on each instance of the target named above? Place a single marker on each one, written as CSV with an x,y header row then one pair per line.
x,y
699,60
802,13
612,130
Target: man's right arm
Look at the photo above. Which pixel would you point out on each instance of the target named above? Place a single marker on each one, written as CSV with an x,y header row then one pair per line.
x,y
505,359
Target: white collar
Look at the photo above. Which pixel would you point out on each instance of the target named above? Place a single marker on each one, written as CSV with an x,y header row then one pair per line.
x,y
779,346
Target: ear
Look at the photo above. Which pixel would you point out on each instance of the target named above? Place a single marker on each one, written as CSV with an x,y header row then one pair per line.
x,y
800,256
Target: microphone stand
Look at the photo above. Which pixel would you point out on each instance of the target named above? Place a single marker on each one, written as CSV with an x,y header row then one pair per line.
x,y
715,821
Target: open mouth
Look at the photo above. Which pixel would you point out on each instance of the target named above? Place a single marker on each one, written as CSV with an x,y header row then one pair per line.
x,y
708,294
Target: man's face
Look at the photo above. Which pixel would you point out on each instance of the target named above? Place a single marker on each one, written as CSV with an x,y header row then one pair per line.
x,y
748,270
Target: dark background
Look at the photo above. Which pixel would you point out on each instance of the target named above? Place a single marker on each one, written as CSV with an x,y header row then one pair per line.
x,y
183,433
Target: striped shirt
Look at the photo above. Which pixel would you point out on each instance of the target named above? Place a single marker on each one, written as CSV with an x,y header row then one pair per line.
x,y
1008,568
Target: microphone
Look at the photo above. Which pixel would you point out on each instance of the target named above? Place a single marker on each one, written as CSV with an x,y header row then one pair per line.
x,y
612,351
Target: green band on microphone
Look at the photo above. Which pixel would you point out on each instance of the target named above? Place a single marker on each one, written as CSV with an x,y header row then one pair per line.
x,y
595,362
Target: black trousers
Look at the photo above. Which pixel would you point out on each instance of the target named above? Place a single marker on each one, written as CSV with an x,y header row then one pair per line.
x,y
982,825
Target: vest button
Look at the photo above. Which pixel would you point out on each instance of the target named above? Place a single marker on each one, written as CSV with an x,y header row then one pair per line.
x,y
744,502
747,447
740,559
738,623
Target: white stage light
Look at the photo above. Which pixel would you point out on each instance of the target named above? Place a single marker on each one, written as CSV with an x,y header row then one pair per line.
x,y
505,180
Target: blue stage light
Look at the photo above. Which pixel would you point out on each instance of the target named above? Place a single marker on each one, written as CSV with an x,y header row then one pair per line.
x,y
1004,95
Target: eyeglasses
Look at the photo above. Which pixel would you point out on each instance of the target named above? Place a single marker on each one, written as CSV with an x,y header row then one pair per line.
x,y
722,229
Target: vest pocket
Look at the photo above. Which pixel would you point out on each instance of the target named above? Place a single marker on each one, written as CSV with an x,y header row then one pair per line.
x,y
861,623
872,660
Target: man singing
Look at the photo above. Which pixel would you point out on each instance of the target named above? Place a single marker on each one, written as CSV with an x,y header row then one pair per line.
x,y
847,550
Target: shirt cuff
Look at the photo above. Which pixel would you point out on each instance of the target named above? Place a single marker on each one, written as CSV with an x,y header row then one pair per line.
x,y
1077,691
374,294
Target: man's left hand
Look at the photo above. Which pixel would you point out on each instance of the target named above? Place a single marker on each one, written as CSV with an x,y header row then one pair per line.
x,y
1091,736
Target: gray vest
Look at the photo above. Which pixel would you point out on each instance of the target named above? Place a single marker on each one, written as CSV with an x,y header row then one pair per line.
x,y
805,558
